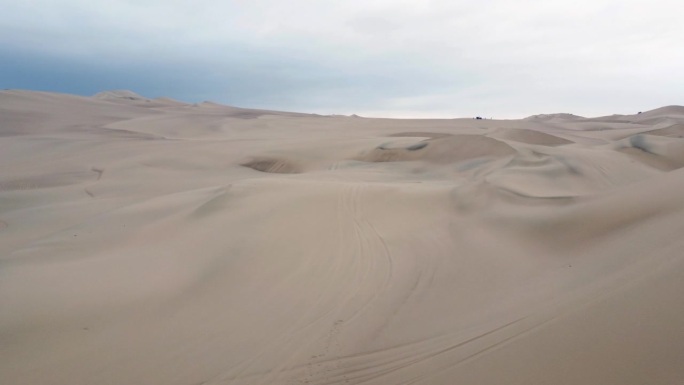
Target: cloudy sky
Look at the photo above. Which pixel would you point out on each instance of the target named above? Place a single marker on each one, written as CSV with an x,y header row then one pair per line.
x,y
397,58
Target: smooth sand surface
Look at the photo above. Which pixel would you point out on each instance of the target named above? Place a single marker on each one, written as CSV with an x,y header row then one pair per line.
x,y
150,241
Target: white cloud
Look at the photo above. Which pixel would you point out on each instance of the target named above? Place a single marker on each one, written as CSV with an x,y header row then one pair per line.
x,y
440,57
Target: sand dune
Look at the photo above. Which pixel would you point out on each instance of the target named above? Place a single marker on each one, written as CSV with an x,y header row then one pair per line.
x,y
448,149
119,94
150,241
673,131
531,137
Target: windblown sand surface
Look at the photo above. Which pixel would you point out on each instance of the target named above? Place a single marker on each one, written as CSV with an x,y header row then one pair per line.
x,y
157,242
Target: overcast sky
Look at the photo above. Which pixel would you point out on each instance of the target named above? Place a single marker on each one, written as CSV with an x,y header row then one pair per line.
x,y
400,58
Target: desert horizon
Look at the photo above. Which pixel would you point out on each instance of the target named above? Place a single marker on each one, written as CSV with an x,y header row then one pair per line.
x,y
153,241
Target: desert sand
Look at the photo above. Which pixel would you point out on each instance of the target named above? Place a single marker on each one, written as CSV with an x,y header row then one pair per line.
x,y
152,241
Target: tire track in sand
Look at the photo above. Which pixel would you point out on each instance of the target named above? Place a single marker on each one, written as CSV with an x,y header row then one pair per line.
x,y
371,253
366,251
447,350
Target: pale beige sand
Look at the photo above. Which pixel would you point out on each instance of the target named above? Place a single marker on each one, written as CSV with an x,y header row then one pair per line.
x,y
148,241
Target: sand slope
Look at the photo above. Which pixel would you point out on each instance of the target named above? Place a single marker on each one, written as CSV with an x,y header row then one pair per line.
x,y
150,241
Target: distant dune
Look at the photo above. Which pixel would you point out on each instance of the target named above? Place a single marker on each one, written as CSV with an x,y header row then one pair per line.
x,y
563,116
118,94
152,241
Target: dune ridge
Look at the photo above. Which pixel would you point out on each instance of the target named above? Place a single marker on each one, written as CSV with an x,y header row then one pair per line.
x,y
152,241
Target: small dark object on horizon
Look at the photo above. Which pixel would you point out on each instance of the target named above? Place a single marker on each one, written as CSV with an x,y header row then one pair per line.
x,y
479,118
